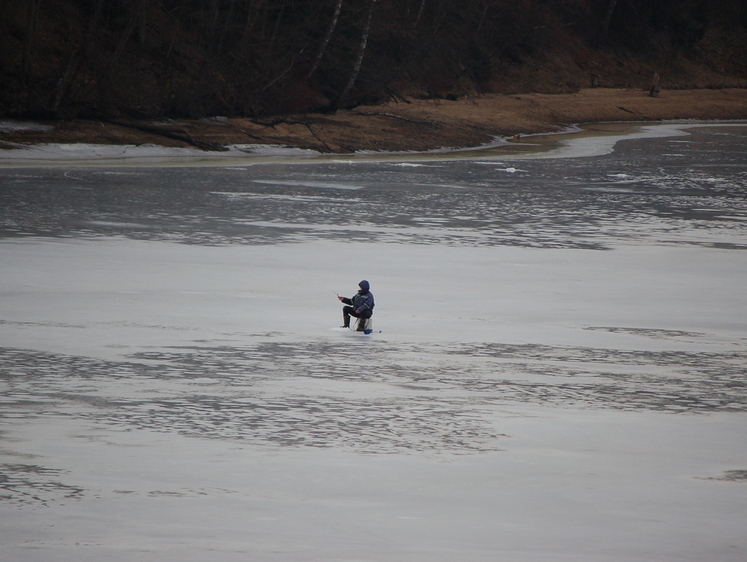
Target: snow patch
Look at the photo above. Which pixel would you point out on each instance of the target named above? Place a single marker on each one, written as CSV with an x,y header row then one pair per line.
x,y
19,126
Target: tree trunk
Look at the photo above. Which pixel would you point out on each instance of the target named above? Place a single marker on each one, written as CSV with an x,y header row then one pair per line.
x,y
327,37
33,16
67,77
142,22
608,16
655,86
249,25
359,59
420,14
120,46
93,23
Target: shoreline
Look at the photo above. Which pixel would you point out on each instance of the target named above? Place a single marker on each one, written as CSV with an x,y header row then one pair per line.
x,y
414,126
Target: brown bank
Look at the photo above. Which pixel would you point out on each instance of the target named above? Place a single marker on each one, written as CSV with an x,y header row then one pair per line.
x,y
412,125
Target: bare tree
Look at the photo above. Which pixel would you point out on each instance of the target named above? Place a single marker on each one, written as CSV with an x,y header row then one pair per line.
x,y
608,16
249,24
359,58
327,37
93,23
31,21
420,14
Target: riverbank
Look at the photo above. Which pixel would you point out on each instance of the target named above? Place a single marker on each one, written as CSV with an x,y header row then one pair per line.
x,y
412,125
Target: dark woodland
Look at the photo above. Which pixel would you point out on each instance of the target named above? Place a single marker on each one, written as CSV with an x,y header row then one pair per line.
x,y
62,59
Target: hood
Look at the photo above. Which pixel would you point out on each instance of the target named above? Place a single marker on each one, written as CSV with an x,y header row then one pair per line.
x,y
364,285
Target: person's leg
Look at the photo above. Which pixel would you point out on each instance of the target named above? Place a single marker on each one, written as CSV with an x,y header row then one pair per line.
x,y
362,324
347,312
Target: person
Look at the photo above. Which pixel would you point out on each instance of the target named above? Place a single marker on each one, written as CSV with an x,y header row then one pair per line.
x,y
360,306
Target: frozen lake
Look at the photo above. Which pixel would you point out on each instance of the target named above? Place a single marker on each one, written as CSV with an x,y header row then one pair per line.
x,y
558,373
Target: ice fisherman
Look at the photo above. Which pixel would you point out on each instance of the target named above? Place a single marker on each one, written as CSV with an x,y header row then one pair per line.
x,y
360,306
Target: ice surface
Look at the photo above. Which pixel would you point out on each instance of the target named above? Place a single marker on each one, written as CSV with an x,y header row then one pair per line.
x,y
574,142
138,155
559,372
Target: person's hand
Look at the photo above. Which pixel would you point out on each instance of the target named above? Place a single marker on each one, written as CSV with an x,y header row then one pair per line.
x,y
340,298
357,311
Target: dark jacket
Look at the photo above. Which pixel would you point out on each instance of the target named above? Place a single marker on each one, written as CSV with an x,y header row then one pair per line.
x,y
363,301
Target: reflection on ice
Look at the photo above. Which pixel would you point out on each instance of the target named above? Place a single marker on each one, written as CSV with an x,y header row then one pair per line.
x,y
402,397
636,194
320,185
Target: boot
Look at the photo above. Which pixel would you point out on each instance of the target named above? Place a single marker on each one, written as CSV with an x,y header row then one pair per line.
x,y
345,321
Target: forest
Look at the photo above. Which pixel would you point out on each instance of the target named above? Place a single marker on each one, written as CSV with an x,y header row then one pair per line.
x,y
63,59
